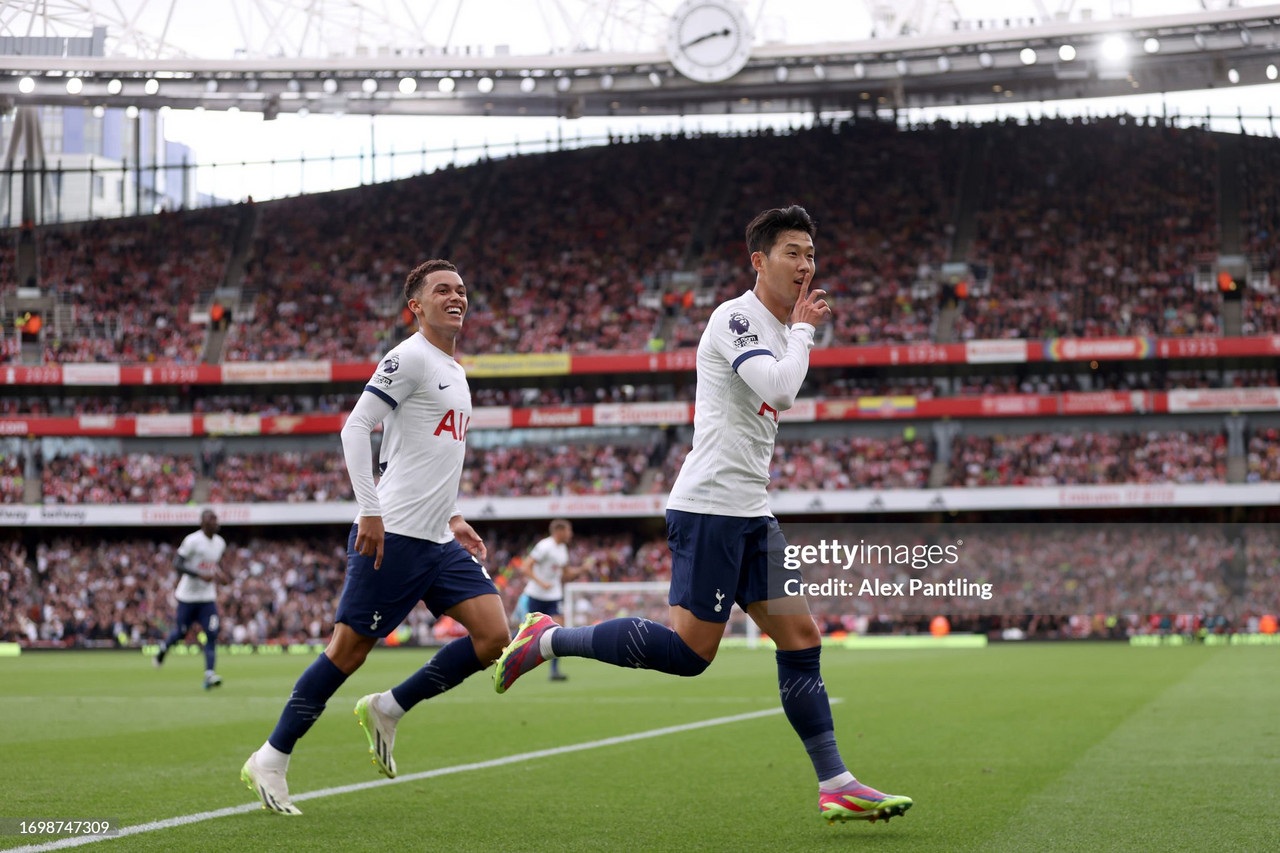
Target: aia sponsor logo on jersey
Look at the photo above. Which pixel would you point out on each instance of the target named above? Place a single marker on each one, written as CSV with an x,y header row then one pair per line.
x,y
454,424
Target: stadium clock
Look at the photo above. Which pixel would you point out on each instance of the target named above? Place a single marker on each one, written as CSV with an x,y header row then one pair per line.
x,y
709,40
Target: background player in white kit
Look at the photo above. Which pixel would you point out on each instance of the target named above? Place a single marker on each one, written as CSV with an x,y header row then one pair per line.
x,y
199,560
726,547
546,570
409,544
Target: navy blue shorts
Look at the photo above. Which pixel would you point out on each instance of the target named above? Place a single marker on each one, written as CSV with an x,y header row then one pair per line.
x,y
717,560
549,607
375,602
205,613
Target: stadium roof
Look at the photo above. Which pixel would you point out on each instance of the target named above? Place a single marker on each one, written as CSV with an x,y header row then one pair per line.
x,y
607,58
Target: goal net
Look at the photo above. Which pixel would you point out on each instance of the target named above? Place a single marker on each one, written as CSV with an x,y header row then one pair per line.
x,y
589,602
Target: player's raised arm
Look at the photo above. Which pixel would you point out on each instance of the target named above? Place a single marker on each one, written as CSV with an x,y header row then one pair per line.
x,y
777,381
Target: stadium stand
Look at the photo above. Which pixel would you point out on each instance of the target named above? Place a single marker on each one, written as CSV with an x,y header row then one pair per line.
x,y
282,477
284,589
1045,459
1073,237
1067,239
97,269
1085,239
133,478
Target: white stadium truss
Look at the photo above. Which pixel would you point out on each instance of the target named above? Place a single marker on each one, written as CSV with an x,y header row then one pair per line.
x,y
156,29
608,57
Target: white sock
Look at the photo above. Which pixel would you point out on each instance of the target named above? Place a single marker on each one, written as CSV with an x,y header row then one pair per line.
x,y
387,704
544,644
835,783
209,672
272,758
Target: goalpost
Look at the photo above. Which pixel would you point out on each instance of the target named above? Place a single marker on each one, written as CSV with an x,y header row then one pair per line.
x,y
588,602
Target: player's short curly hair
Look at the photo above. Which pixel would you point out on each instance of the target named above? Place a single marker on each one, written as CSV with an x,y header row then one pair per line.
x,y
413,284
763,231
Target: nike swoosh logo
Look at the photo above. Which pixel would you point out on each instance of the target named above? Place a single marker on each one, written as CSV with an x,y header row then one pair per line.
x,y
442,387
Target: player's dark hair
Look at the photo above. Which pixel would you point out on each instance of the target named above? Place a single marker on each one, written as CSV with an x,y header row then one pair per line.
x,y
763,231
559,524
413,284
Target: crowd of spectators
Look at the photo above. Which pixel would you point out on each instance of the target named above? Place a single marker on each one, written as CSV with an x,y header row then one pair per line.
x,y
1095,229
1065,579
121,592
1059,459
130,285
289,477
1085,227
555,249
832,463
828,464
274,590
555,469
821,383
87,478
850,462
1260,226
1068,569
326,272
871,244
679,388
152,402
1263,456
12,482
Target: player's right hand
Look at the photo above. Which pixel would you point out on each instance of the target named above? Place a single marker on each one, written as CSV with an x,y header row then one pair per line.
x,y
810,307
370,537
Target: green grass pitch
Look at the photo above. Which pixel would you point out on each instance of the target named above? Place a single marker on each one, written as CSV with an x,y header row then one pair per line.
x,y
1091,747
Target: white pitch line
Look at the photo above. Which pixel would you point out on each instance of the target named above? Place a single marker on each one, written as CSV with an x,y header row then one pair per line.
x,y
183,820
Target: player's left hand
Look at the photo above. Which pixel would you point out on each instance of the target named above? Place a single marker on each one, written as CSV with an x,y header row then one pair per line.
x,y
468,538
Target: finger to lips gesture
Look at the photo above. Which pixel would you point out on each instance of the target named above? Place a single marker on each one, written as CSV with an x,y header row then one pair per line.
x,y
811,307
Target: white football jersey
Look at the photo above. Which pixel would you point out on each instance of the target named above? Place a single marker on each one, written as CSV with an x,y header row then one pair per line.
x,y
727,470
201,553
423,438
549,561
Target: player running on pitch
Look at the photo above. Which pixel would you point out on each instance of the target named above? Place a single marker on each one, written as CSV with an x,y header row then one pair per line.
x,y
198,562
726,546
409,543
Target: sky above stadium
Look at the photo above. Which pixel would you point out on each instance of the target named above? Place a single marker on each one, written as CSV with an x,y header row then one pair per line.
x,y
526,27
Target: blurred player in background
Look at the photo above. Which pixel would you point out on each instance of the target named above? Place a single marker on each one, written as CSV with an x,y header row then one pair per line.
x,y
545,568
199,562
726,546
409,544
